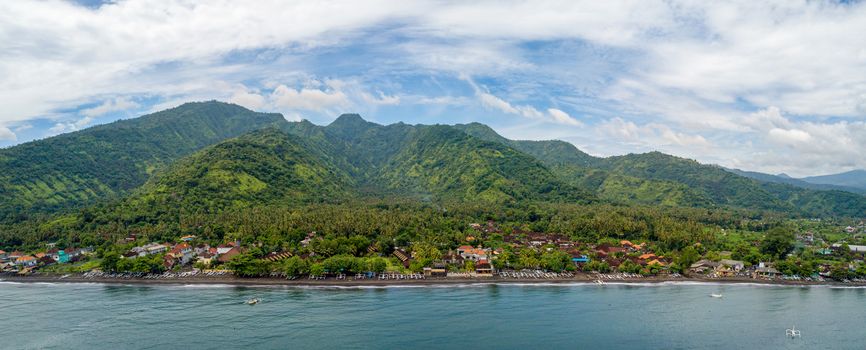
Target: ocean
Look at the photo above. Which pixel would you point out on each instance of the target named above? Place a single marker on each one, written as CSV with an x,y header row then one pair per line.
x,y
529,316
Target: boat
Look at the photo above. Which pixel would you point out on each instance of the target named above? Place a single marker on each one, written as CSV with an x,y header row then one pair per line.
x,y
253,301
792,332
714,295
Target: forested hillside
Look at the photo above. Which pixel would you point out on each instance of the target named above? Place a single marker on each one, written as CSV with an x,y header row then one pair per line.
x,y
109,160
211,157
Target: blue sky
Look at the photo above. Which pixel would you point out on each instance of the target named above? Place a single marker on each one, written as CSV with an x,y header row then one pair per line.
x,y
768,86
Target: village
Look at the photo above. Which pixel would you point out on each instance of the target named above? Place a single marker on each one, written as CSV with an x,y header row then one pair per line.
x,y
517,255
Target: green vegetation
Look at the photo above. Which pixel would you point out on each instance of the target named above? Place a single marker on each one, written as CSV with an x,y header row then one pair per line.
x,y
224,173
110,160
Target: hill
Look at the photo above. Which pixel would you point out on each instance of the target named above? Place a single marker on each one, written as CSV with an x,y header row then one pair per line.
x,y
853,178
785,179
110,160
260,167
211,156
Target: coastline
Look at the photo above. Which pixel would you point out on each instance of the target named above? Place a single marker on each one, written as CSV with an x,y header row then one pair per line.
x,y
266,281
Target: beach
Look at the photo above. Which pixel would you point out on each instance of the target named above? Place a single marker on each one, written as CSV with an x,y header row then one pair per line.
x,y
348,282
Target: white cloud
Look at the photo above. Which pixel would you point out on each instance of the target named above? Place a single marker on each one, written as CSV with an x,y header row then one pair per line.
x,y
112,105
249,99
6,134
790,136
650,135
308,99
553,115
563,118
773,84
382,99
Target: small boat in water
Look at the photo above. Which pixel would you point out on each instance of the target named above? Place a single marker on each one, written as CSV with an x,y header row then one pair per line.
x,y
714,295
253,301
792,332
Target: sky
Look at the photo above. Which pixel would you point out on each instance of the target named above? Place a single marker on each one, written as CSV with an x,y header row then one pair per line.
x,y
771,86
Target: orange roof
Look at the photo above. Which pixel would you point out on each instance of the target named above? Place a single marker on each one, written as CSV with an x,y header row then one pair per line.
x,y
647,256
40,255
2,251
25,258
625,242
656,262
465,248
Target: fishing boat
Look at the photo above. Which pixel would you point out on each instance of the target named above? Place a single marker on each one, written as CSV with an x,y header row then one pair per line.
x,y
714,295
253,301
792,332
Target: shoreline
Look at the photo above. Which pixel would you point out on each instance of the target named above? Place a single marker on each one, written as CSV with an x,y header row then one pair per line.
x,y
265,281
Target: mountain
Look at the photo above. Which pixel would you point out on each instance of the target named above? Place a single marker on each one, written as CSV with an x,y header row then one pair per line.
x,y
727,189
112,159
442,161
853,178
298,163
551,152
211,156
785,179
260,167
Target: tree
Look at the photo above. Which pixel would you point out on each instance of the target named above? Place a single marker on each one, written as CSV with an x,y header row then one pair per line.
x,y
378,265
317,269
426,251
295,266
778,242
246,265
840,271
688,256
109,261
555,260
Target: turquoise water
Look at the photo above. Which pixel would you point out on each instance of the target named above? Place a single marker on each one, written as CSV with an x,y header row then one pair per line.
x,y
669,316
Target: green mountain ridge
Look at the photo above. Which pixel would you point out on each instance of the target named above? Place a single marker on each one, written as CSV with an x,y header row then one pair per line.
x,y
211,156
853,178
112,159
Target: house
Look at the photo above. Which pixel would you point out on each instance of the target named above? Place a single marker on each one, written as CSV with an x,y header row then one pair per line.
x,y
205,258
187,238
581,259
452,258
14,255
45,260
438,270
607,249
483,268
224,248
736,265
764,270
3,255
26,261
853,248
183,253
656,262
310,237
474,254
648,256
626,244
702,266
148,249
229,254
403,256
277,256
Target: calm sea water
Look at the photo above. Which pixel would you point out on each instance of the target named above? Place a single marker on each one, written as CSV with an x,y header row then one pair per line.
x,y
670,316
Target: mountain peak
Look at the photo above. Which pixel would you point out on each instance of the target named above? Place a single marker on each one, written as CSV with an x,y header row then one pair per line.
x,y
349,124
349,118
